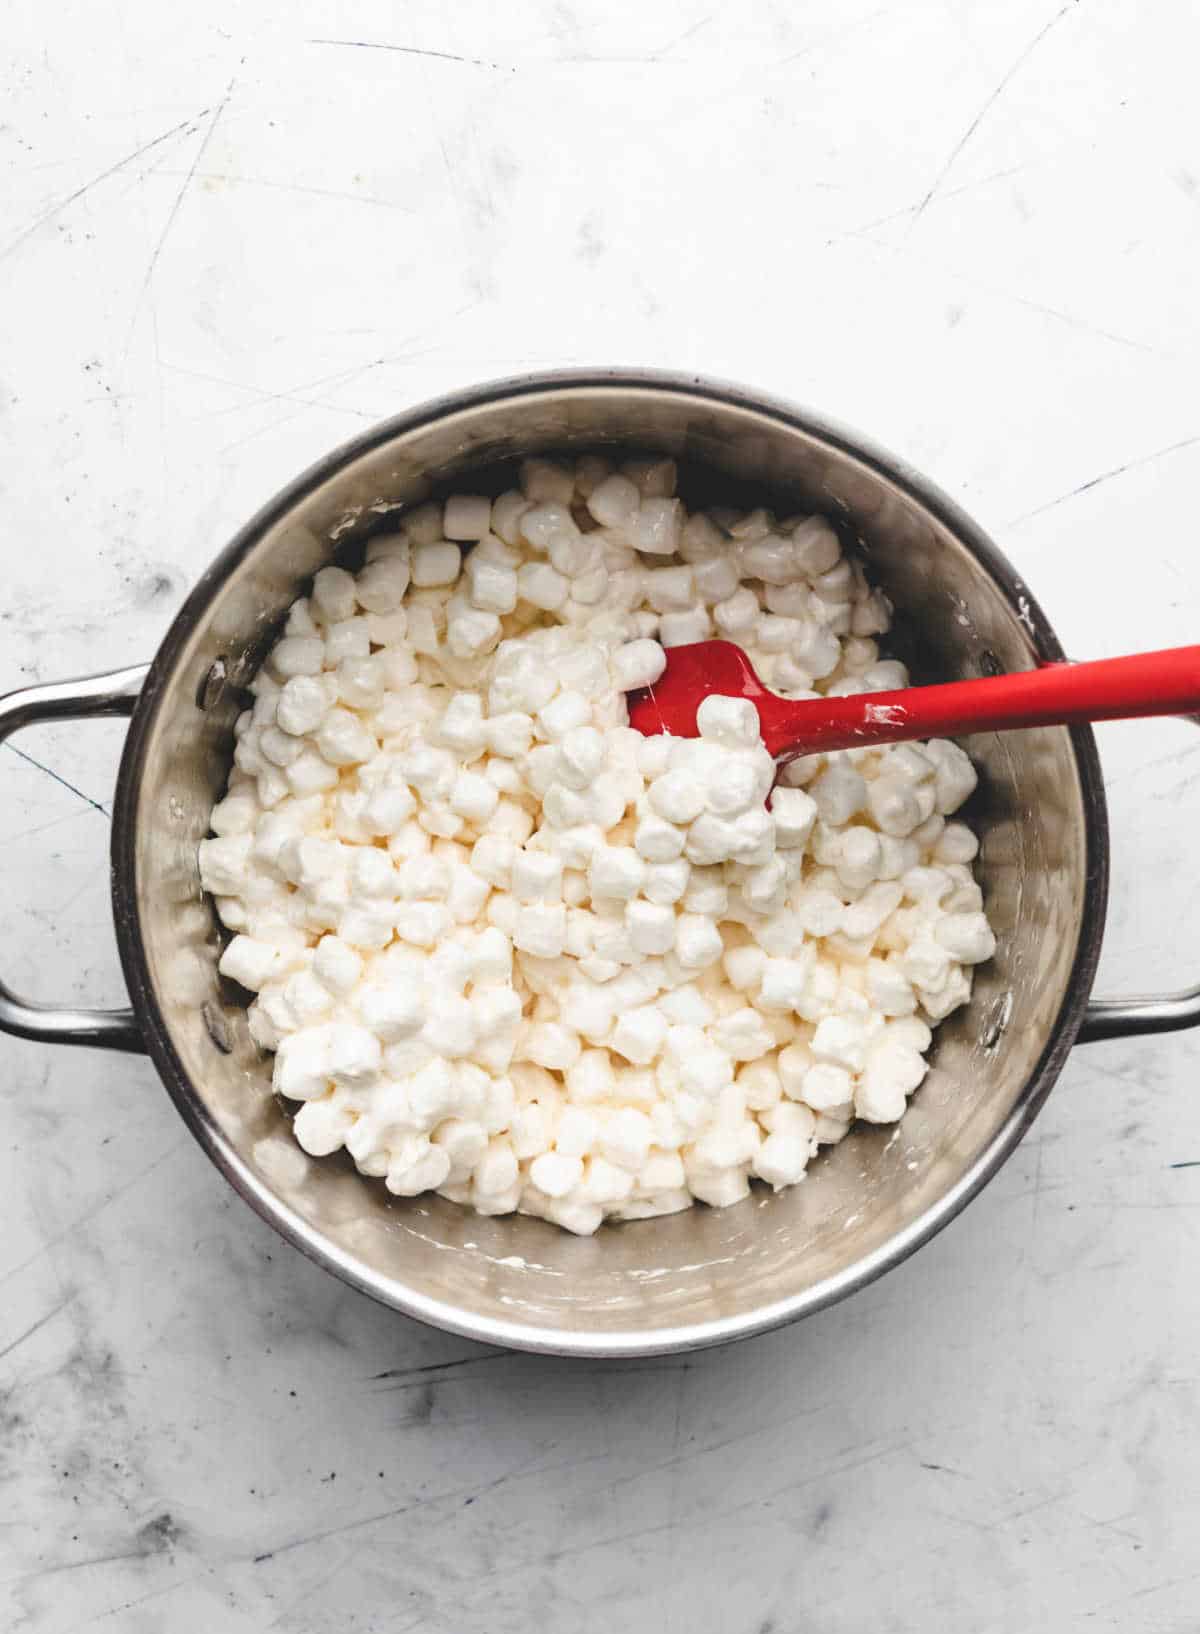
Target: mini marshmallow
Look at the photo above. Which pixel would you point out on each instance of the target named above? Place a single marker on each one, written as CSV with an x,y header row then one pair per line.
x,y
462,727
614,503
552,1046
655,529
421,923
891,1073
670,589
795,813
650,928
707,893
739,782
698,942
467,516
580,756
737,615
224,863
682,629
546,481
637,664
509,734
333,595
491,587
781,1160
666,881
541,586
955,777
967,937
840,792
654,477
469,632
562,714
841,1040
657,840
473,798
381,584
678,796
639,1034
541,929
507,511
302,705
349,638
783,983
435,563
956,843
343,740
536,876
336,965
393,1012
249,962
616,872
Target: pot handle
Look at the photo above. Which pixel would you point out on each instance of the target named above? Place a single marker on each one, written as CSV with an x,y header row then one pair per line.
x,y
1128,1018
113,694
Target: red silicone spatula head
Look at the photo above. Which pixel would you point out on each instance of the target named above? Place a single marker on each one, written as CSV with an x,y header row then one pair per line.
x,y
693,673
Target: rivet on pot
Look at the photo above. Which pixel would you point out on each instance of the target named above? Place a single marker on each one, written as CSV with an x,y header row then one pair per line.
x,y
212,685
996,1021
217,1024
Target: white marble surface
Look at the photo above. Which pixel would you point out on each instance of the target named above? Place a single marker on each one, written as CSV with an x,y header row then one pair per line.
x,y
234,234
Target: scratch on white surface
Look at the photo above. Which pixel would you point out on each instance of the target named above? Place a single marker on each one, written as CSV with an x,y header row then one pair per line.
x,y
340,377
418,51
343,195
93,1213
95,804
175,208
33,1328
72,198
943,197
680,39
1105,476
835,37
257,395
988,105
998,291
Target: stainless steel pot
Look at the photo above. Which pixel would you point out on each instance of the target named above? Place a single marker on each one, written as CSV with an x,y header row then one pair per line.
x,y
704,1276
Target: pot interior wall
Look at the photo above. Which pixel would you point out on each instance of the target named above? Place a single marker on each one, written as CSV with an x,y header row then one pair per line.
x,y
954,620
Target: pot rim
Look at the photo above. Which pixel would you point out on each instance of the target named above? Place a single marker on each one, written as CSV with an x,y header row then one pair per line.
x,y
583,1342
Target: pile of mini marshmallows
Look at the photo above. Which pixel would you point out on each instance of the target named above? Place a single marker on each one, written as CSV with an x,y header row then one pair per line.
x,y
508,949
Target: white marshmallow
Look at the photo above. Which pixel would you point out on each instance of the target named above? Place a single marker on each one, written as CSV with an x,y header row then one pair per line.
x,y
435,563
616,872
249,962
564,712
637,664
541,586
650,928
967,937
639,1034
467,516
540,928
656,528
698,942
795,813
537,876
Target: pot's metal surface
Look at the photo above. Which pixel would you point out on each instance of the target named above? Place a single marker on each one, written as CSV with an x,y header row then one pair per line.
x,y
704,1276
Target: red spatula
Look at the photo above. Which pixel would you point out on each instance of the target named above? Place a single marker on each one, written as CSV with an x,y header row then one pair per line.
x,y
1152,683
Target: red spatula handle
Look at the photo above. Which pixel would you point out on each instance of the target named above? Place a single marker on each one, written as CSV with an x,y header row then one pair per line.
x,y
1152,683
